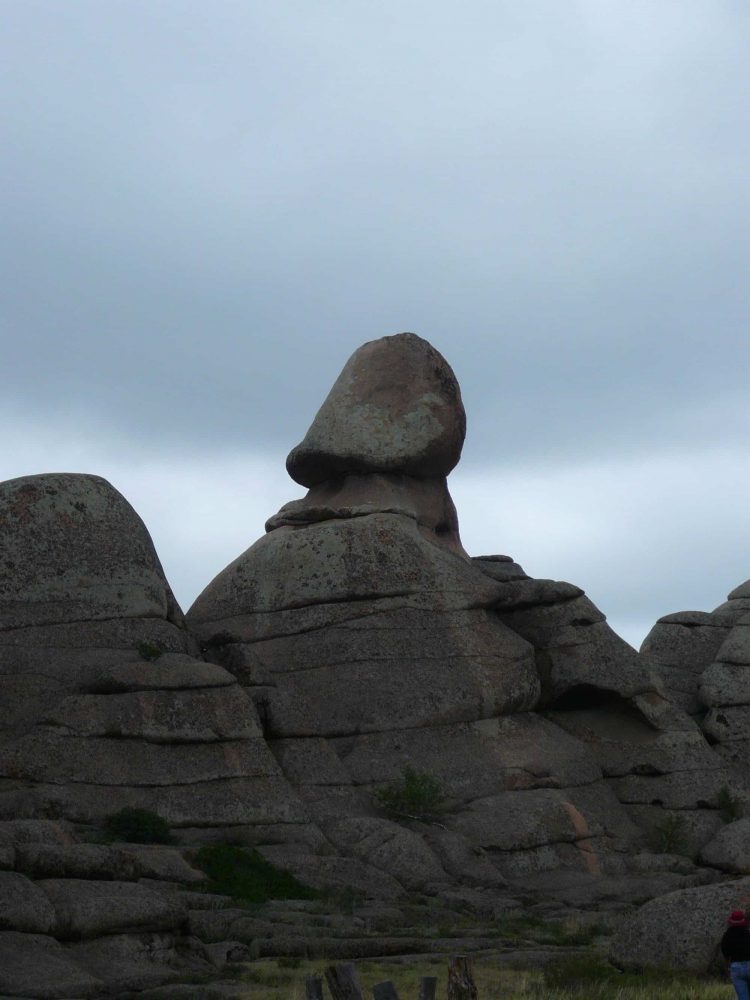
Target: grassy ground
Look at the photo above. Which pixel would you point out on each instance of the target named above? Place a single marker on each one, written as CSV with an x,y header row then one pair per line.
x,y
575,980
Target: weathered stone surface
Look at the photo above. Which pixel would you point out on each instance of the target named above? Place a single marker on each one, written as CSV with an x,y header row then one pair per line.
x,y
736,646
577,650
311,761
623,742
395,407
372,694
82,861
157,862
725,684
691,828
467,863
533,593
48,756
736,753
680,930
680,647
34,831
90,908
99,861
500,568
91,641
202,715
730,848
473,760
727,723
355,560
389,846
23,906
334,874
226,802
32,965
426,501
512,821
733,611
73,549
136,962
694,789
36,674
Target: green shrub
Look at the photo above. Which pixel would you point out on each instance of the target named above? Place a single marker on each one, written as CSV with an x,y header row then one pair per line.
x,y
150,650
730,806
138,826
243,874
670,836
415,795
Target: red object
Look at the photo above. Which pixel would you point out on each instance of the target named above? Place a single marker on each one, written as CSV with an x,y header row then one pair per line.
x,y
737,918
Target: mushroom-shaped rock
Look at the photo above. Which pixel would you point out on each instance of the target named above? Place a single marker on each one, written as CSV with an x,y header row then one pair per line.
x,y
74,549
395,408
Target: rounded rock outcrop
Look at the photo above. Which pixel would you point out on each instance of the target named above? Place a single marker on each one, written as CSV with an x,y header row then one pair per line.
x,y
395,408
74,549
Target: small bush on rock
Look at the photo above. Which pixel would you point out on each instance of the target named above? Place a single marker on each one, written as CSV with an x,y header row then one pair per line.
x,y
416,795
730,806
138,826
150,650
670,836
245,875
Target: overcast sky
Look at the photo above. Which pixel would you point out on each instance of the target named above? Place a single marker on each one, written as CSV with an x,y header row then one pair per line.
x,y
208,206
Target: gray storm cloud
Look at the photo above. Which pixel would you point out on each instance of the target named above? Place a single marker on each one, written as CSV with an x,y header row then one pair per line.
x,y
208,207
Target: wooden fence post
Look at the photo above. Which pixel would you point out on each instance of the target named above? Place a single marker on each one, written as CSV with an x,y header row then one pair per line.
x,y
427,987
313,988
385,991
342,982
460,979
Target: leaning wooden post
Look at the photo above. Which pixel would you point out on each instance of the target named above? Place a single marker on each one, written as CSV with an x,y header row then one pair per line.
x,y
460,979
313,988
342,982
385,991
427,987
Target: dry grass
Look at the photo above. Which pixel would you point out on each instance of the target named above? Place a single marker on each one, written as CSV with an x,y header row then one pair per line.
x,y
272,980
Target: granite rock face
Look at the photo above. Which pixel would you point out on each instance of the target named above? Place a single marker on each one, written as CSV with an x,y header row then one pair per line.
x,y
704,660
370,641
395,408
75,550
680,930
105,701
354,639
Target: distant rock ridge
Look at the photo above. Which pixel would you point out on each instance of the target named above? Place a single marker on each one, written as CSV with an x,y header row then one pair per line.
x,y
355,638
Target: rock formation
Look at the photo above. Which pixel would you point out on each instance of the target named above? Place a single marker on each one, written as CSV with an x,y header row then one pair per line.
x,y
354,639
369,640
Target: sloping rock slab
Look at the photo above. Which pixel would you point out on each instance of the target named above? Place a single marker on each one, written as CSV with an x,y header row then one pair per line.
x,y
334,874
390,847
32,965
33,831
24,907
730,848
89,908
680,930
130,961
